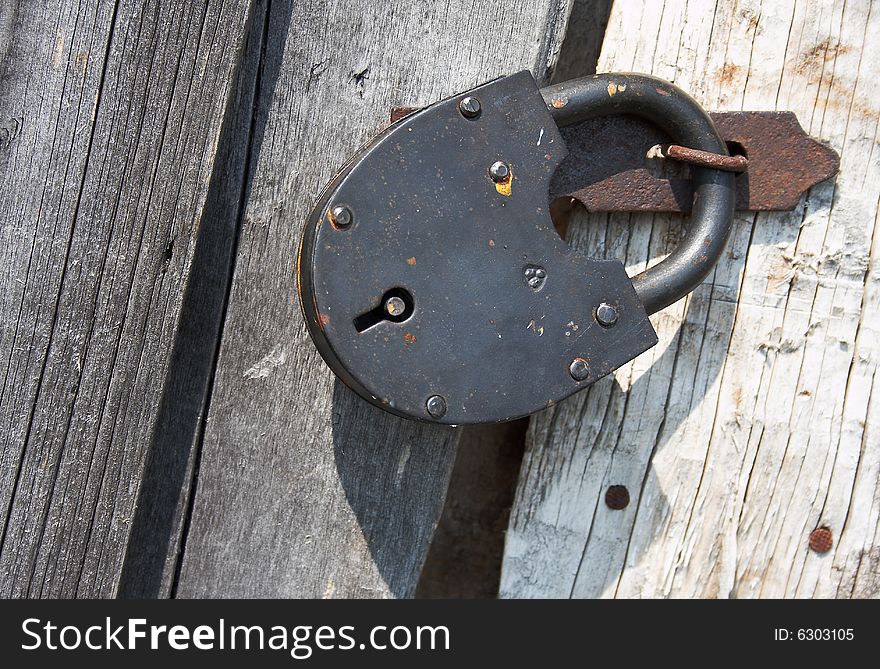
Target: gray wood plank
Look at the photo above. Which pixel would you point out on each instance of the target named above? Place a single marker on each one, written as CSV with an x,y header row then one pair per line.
x,y
110,121
302,489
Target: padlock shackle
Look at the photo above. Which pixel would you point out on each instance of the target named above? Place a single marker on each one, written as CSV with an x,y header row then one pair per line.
x,y
687,124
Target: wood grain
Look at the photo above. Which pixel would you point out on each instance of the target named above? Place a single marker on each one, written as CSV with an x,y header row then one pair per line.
x,y
110,118
754,420
303,489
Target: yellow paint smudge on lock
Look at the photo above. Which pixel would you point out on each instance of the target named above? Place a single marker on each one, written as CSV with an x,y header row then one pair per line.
x,y
615,88
411,261
504,186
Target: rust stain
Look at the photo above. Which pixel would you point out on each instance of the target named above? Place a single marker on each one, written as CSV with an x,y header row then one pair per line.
x,y
821,53
398,113
409,338
753,19
323,320
737,398
703,158
411,261
728,74
662,91
559,103
491,243
843,97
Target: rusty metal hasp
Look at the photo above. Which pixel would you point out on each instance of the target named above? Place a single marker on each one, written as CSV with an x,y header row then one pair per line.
x,y
431,278
610,165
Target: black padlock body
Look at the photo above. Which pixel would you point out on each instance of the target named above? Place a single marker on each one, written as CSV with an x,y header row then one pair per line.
x,y
498,306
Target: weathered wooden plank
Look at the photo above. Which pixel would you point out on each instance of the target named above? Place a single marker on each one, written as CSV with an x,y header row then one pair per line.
x,y
304,490
754,420
110,117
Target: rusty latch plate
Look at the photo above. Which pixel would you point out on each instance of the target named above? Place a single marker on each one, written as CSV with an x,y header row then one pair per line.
x,y
607,168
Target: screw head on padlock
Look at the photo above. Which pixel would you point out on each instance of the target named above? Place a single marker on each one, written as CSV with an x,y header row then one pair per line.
x,y
430,276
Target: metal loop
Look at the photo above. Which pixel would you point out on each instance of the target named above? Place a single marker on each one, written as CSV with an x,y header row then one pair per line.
x,y
684,120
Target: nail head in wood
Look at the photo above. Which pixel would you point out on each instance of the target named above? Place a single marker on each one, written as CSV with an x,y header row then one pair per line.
x,y
821,540
617,497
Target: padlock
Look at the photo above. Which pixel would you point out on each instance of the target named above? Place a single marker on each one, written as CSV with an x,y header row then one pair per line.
x,y
432,280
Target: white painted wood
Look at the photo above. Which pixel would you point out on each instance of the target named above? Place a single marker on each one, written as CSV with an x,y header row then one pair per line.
x,y
754,420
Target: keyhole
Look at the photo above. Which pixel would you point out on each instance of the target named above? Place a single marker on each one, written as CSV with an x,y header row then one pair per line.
x,y
396,306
